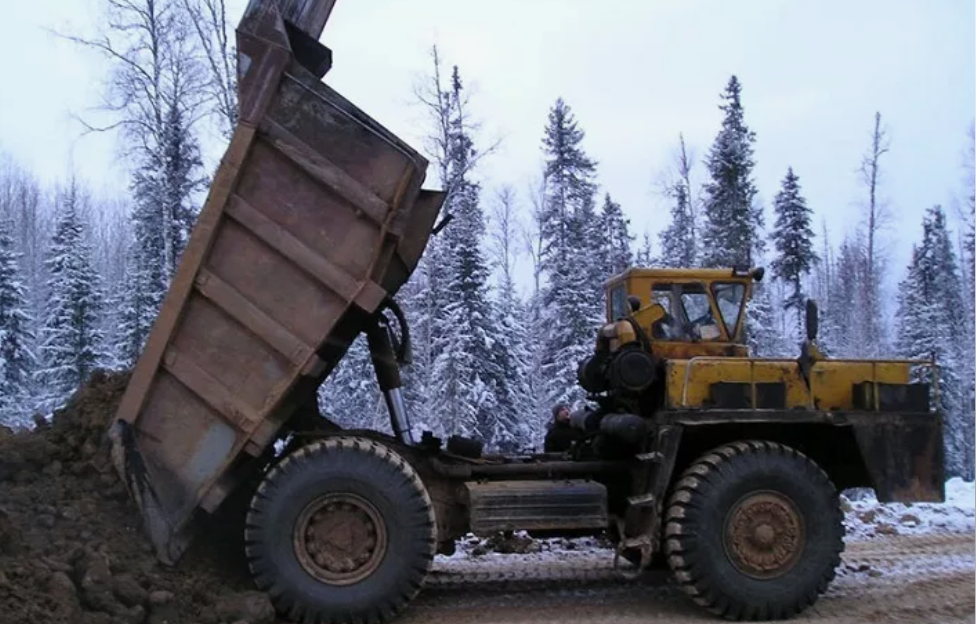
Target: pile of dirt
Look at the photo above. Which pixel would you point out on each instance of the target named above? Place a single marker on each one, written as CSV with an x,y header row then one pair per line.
x,y
72,548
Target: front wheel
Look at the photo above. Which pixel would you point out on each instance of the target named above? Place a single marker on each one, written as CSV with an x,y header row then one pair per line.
x,y
754,531
341,530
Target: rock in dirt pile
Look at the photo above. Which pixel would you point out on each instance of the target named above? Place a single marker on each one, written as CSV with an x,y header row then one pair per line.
x,y
71,545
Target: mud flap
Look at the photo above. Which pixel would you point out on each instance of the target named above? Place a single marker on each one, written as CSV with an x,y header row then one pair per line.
x,y
168,542
904,456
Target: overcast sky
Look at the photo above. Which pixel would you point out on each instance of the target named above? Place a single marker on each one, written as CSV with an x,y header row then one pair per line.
x,y
636,73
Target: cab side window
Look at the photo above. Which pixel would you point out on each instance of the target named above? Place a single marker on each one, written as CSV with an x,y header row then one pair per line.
x,y
618,303
665,328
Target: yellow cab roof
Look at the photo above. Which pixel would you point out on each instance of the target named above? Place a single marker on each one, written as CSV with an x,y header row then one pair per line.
x,y
664,273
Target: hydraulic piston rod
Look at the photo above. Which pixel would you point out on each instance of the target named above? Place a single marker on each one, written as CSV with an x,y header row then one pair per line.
x,y
388,375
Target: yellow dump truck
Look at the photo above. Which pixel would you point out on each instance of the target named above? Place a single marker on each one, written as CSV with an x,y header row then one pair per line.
x,y
692,454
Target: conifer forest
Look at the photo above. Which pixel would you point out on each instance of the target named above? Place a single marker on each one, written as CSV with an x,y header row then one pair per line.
x,y
508,296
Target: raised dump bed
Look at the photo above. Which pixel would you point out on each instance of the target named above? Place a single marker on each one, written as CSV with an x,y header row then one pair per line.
x,y
315,216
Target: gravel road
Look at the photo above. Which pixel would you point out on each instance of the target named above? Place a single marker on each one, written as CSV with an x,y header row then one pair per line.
x,y
916,579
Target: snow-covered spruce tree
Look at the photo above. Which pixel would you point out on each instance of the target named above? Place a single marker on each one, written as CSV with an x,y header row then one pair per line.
x,y
145,281
140,299
930,320
16,360
587,245
21,200
614,239
179,177
512,345
513,355
677,240
571,311
71,344
569,174
350,394
421,299
162,187
762,333
537,414
732,221
466,374
163,219
424,296
111,242
793,238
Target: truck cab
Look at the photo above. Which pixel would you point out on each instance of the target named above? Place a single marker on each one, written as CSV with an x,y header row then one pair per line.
x,y
685,312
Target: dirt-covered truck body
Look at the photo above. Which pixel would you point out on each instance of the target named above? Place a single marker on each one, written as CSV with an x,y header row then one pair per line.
x,y
687,452
315,217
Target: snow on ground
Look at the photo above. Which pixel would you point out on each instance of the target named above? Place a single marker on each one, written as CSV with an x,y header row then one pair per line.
x,y
866,517
492,554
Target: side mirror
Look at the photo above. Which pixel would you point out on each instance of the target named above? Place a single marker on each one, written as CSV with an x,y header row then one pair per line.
x,y
634,303
812,320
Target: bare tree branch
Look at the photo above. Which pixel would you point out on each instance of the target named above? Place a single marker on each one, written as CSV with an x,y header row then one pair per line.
x,y
504,232
154,64
209,19
531,232
877,215
440,106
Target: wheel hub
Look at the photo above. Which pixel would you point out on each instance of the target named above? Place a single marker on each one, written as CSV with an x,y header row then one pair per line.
x,y
340,539
764,535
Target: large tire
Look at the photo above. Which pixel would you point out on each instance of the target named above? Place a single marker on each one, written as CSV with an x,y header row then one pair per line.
x,y
341,530
754,531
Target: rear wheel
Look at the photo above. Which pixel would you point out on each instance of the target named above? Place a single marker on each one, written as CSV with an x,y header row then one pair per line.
x,y
754,531
341,530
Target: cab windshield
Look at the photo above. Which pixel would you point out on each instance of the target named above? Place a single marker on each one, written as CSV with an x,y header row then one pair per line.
x,y
729,297
690,314
698,311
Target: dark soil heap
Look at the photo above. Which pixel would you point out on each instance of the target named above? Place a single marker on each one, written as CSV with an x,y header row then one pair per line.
x,y
72,548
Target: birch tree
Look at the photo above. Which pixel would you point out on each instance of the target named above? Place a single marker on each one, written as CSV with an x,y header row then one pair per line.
x,y
214,36
875,218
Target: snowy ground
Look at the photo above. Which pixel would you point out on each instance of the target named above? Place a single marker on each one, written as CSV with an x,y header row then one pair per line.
x,y
903,564
866,518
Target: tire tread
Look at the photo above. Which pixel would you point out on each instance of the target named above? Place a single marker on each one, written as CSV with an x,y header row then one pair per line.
x,y
681,518
303,458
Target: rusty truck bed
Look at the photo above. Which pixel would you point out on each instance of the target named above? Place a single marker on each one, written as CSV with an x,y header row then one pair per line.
x,y
315,216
